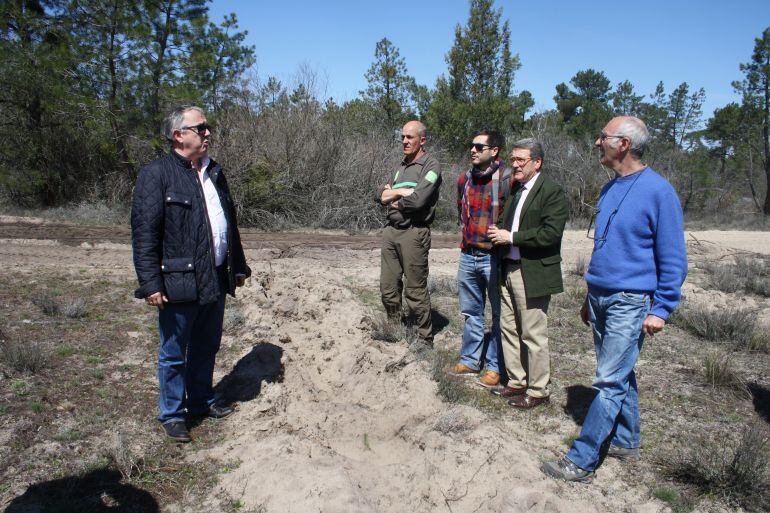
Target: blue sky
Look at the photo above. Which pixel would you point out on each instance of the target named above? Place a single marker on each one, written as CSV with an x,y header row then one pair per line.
x,y
698,42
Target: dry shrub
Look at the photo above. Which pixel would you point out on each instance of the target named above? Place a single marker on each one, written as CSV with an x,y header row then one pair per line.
x,y
452,421
581,266
750,273
234,319
442,285
47,304
737,471
723,324
22,356
75,308
392,330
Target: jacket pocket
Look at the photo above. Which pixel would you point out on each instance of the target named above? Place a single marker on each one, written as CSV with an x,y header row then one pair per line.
x,y
179,279
550,260
175,198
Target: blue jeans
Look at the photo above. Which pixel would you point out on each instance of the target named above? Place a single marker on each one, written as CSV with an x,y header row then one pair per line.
x,y
477,279
189,340
617,319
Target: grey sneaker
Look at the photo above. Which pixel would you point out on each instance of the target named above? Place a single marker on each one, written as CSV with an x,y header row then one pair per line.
x,y
624,453
565,470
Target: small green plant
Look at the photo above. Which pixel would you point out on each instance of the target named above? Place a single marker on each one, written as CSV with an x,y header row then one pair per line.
x,y
570,439
19,387
36,406
231,466
64,350
366,442
666,493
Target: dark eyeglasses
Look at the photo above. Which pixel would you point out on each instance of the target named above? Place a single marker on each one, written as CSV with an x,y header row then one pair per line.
x,y
479,146
199,128
604,137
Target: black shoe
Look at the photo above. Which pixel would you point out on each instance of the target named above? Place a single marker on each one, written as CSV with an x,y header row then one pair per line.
x,y
218,411
177,431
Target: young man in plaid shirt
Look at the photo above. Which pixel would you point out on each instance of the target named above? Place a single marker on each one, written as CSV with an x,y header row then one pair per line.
x,y
481,195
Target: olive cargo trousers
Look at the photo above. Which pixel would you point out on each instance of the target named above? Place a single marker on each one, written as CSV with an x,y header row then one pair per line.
x,y
405,252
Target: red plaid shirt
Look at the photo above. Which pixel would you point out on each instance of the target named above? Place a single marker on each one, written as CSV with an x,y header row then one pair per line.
x,y
474,205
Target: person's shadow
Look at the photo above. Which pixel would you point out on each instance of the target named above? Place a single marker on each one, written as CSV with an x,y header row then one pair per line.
x,y
760,396
579,399
438,320
244,381
98,491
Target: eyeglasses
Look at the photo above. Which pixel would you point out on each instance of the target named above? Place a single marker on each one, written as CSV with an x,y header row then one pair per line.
x,y
604,137
520,161
479,146
592,234
199,128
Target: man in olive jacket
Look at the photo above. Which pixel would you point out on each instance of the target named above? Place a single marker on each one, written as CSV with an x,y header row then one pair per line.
x,y
529,240
411,195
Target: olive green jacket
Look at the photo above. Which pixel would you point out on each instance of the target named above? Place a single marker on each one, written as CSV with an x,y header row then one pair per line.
x,y
541,226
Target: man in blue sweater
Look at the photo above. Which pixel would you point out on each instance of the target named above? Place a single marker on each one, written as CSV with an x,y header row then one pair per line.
x,y
634,279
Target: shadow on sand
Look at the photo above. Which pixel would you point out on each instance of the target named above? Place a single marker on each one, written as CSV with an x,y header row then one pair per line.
x,y
244,382
579,399
98,491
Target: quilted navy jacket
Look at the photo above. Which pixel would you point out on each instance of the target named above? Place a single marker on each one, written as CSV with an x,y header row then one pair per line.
x,y
171,236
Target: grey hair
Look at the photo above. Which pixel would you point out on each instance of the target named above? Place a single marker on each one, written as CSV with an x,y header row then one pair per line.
x,y
636,131
533,145
175,119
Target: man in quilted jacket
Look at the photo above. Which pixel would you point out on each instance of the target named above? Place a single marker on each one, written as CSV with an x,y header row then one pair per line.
x,y
188,256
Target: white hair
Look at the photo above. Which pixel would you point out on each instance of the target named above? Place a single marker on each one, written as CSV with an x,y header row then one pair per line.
x,y
636,132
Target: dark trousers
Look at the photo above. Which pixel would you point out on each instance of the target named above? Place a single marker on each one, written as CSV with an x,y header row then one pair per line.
x,y
190,335
405,253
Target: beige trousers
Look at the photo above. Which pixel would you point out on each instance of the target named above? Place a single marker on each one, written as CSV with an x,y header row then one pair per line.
x,y
524,328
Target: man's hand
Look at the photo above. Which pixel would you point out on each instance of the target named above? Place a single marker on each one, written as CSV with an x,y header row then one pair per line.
x,y
240,280
584,313
497,236
652,325
156,299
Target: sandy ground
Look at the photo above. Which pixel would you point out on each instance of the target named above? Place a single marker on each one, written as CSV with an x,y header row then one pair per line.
x,y
344,430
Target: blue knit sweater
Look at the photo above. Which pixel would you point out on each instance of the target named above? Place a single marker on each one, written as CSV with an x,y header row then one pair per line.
x,y
639,243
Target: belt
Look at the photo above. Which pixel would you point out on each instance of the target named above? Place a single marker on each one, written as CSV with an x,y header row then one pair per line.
x,y
510,261
472,250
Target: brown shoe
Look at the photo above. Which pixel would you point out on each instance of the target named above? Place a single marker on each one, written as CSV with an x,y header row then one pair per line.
x,y
460,369
527,401
489,379
508,392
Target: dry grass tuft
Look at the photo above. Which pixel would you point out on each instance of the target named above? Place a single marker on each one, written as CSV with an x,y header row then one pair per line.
x,y
718,370
721,325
